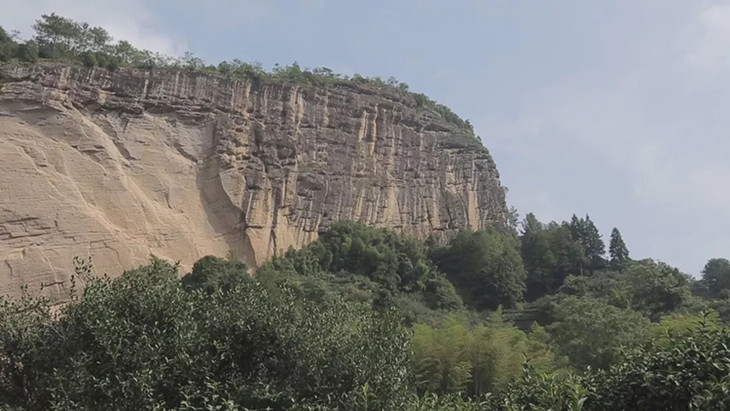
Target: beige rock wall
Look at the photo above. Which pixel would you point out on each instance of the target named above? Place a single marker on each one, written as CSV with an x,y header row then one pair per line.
x,y
121,166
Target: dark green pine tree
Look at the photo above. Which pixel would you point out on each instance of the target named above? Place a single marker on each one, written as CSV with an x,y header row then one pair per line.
x,y
6,45
617,250
576,228
585,232
594,245
716,275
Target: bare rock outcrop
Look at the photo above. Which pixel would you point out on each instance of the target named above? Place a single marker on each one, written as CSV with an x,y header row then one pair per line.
x,y
120,166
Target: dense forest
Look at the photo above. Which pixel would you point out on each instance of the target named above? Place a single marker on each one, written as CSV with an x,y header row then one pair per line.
x,y
538,316
365,318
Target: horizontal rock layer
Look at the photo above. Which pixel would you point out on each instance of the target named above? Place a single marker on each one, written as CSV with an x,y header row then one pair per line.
x,y
120,166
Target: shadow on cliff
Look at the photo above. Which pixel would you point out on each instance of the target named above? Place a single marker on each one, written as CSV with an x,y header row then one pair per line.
x,y
226,219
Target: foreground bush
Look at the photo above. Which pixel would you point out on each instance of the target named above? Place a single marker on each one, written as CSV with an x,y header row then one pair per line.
x,y
143,342
220,340
688,370
454,357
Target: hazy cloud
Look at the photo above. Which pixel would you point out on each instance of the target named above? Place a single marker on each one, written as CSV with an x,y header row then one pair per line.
x,y
712,51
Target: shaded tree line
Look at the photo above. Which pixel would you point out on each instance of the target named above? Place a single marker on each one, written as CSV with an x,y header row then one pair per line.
x,y
553,251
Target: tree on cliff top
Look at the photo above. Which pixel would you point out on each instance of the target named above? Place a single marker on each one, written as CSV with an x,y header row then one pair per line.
x,y
59,38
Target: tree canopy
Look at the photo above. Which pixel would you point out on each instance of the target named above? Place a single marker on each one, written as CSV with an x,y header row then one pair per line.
x,y
143,341
716,276
485,266
367,318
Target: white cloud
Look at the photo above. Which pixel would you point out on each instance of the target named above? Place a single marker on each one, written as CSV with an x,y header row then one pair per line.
x,y
313,4
227,14
129,20
668,169
655,130
712,51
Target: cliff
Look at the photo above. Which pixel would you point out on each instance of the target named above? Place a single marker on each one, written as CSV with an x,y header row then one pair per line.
x,y
120,166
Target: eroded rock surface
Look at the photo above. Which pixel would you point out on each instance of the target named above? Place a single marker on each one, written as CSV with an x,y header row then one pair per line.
x,y
120,166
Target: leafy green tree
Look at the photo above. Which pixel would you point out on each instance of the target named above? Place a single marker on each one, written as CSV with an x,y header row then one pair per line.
x,y
655,288
441,356
535,246
716,275
485,266
544,391
211,273
395,261
65,39
143,342
538,258
98,40
126,53
7,46
569,253
452,356
651,288
586,233
513,219
28,51
292,72
57,37
88,59
190,62
688,371
589,331
440,293
550,254
366,264
618,251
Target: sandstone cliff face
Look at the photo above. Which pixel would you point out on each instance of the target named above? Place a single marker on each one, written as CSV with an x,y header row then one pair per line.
x,y
120,166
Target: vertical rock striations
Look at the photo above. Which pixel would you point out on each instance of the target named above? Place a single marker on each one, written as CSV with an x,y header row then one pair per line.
x,y
123,165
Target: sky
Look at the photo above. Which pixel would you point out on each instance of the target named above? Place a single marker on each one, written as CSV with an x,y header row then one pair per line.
x,y
619,110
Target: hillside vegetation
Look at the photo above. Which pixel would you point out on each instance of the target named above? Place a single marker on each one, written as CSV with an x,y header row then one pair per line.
x,y
365,318
542,316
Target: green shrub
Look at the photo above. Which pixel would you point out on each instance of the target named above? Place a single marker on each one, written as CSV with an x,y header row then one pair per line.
x,y
485,266
589,331
452,356
143,342
211,273
690,370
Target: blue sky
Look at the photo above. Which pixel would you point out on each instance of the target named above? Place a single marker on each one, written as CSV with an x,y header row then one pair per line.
x,y
615,109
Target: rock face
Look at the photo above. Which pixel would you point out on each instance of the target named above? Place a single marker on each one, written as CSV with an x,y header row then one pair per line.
x,y
120,166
